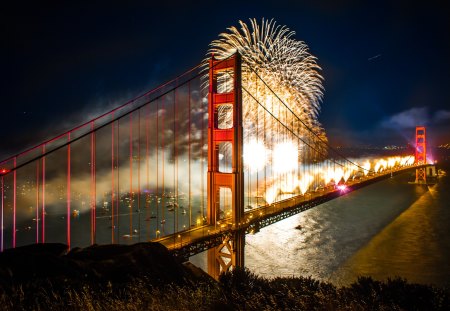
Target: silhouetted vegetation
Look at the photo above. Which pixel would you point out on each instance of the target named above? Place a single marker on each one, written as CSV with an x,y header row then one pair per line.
x,y
246,291
238,290
118,278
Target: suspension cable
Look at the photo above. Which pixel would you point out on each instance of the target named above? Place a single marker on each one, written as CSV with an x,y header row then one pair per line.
x,y
306,126
284,125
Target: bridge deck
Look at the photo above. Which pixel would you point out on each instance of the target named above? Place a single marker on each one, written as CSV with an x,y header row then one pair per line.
x,y
193,241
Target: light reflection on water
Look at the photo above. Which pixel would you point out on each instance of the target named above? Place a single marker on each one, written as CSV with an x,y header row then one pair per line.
x,y
387,229
415,245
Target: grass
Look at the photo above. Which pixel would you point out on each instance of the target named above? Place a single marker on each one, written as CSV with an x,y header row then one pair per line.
x,y
237,290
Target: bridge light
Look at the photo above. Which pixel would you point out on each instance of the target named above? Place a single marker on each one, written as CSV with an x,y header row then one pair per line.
x,y
342,187
4,171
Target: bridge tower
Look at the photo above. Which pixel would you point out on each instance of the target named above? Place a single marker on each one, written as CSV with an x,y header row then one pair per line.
x,y
225,130
421,155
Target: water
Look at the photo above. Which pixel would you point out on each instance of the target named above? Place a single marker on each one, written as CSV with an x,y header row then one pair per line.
x,y
155,216
387,229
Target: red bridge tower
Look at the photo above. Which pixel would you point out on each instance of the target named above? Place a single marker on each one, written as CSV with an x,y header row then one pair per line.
x,y
421,155
225,132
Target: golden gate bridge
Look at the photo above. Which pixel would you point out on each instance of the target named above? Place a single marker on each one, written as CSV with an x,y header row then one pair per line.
x,y
182,166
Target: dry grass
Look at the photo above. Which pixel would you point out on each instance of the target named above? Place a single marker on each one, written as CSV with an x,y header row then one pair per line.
x,y
239,290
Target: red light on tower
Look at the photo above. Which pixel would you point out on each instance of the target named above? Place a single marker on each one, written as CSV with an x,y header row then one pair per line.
x,y
421,155
4,171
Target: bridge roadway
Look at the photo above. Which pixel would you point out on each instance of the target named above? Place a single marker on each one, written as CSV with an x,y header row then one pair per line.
x,y
189,242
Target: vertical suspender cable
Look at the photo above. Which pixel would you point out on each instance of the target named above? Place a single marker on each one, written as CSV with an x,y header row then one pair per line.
x,y
2,213
265,153
157,169
94,205
147,171
43,195
37,201
14,202
257,142
131,196
175,199
93,185
189,156
112,181
118,198
139,176
68,190
175,171
163,220
202,166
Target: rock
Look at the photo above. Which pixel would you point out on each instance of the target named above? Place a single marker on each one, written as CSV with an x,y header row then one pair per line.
x,y
97,264
197,272
34,261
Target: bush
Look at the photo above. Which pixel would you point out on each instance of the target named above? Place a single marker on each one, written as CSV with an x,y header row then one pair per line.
x,y
236,290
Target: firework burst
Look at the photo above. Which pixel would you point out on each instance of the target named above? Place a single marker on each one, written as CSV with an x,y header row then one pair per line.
x,y
276,70
281,95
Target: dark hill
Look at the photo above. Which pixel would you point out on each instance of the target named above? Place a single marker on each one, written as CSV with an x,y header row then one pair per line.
x,y
97,264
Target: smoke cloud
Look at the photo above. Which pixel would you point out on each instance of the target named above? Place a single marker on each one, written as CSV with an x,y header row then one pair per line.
x,y
441,116
415,117
407,119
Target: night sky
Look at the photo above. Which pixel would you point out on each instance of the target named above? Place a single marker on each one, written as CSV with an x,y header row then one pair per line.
x,y
386,66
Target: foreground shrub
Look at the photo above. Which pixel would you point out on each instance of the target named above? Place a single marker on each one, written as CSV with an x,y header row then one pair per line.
x,y
237,290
